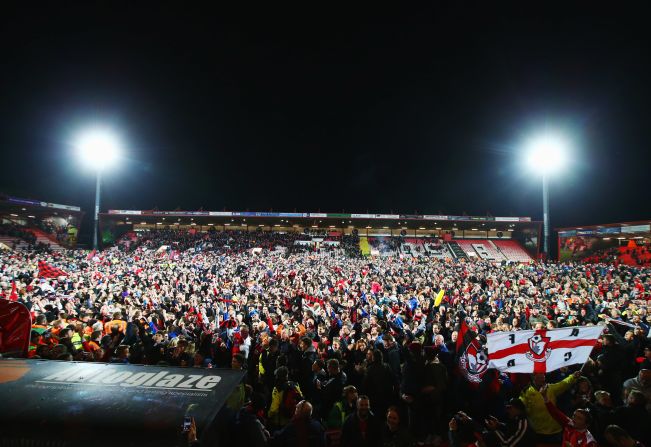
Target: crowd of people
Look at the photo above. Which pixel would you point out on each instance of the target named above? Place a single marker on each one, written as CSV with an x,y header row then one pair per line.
x,y
342,349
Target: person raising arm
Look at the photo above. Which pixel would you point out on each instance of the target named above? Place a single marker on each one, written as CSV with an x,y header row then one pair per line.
x,y
575,429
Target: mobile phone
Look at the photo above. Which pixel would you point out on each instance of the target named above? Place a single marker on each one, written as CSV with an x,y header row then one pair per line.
x,y
187,423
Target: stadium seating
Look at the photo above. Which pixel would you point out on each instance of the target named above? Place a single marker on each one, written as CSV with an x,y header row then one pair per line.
x,y
512,251
437,250
483,248
489,250
384,246
413,247
10,241
468,249
639,256
46,239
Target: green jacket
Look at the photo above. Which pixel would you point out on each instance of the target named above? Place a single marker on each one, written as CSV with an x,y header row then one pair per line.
x,y
541,421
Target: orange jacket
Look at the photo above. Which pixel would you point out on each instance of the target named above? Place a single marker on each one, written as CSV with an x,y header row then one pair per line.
x,y
122,326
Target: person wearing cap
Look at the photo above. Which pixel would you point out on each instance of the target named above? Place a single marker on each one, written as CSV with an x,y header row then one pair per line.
x,y
516,431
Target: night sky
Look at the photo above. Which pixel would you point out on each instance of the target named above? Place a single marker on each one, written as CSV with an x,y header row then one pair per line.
x,y
424,110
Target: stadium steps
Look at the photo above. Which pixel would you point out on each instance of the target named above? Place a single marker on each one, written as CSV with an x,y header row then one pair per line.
x,y
495,251
513,251
46,239
364,246
456,250
9,242
468,248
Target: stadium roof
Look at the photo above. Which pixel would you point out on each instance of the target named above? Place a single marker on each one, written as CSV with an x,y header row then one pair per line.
x,y
18,206
640,226
318,215
320,220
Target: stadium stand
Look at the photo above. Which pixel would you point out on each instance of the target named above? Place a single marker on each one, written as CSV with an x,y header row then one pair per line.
x,y
421,247
483,248
437,250
633,256
13,242
467,245
413,247
46,239
385,246
512,251
640,256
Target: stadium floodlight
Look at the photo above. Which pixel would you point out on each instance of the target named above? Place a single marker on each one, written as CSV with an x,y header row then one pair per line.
x,y
546,155
98,148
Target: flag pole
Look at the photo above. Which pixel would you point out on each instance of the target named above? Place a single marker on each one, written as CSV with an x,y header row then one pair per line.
x,y
583,366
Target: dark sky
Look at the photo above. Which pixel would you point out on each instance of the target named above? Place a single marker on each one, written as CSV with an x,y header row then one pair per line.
x,y
419,110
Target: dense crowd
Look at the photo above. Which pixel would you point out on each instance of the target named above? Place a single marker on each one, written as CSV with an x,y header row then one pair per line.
x,y
639,256
343,349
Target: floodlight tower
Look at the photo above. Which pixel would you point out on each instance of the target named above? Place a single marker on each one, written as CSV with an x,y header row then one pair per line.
x,y
98,148
546,155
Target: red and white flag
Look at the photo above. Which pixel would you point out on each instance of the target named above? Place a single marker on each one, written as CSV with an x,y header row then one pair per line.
x,y
541,351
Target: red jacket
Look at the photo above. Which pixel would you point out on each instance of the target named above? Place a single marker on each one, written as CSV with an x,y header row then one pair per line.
x,y
571,435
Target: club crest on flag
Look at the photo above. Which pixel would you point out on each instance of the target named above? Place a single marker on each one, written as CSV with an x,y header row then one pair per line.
x,y
538,348
474,361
